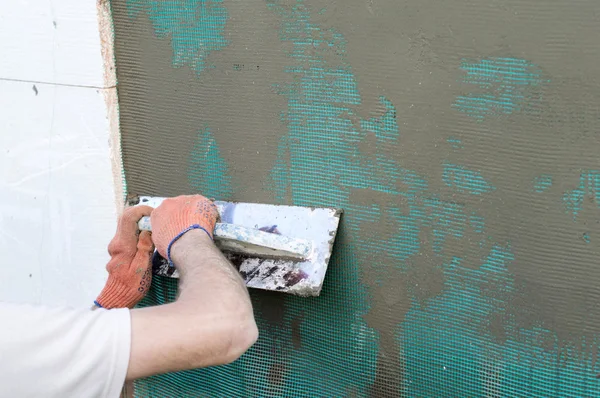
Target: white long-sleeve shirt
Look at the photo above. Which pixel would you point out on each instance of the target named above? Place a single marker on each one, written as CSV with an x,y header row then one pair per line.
x,y
63,352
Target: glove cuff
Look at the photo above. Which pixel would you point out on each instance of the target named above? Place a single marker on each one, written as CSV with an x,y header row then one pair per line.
x,y
115,294
193,226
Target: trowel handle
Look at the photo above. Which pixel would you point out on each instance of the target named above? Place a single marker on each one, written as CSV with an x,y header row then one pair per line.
x,y
253,242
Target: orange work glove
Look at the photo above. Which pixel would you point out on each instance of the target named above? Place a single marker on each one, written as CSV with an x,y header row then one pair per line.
x,y
129,268
175,216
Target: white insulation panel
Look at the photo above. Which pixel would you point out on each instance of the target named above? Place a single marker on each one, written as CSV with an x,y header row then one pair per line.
x,y
55,168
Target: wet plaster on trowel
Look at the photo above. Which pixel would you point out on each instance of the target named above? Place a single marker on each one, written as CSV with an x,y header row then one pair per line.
x,y
165,108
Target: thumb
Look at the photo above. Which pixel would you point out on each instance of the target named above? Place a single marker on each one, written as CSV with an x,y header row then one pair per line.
x,y
142,263
145,243
145,248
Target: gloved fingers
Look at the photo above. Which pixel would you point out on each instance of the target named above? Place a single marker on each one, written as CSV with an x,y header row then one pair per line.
x,y
143,255
193,204
126,237
177,215
145,243
128,222
141,263
143,288
208,210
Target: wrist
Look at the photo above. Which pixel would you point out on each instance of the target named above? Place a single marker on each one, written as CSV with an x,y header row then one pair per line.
x,y
191,242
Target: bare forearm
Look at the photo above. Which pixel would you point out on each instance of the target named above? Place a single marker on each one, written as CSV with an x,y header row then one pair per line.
x,y
205,271
210,323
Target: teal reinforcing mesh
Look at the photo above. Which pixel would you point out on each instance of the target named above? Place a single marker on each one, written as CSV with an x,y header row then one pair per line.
x,y
466,270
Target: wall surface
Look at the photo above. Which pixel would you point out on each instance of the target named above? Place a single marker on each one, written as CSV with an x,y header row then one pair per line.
x,y
461,139
57,201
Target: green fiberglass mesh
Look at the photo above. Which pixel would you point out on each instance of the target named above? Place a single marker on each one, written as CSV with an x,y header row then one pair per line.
x,y
461,140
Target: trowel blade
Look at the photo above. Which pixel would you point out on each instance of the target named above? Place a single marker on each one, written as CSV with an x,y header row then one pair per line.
x,y
300,277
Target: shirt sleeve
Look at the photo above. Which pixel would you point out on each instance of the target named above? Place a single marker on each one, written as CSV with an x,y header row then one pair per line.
x,y
63,352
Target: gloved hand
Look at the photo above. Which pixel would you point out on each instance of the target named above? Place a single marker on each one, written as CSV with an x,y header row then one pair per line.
x,y
175,216
129,269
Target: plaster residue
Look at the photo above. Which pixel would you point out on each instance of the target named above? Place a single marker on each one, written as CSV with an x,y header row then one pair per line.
x,y
107,42
106,29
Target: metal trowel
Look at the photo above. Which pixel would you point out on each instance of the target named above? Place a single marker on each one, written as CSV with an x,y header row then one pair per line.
x,y
280,248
